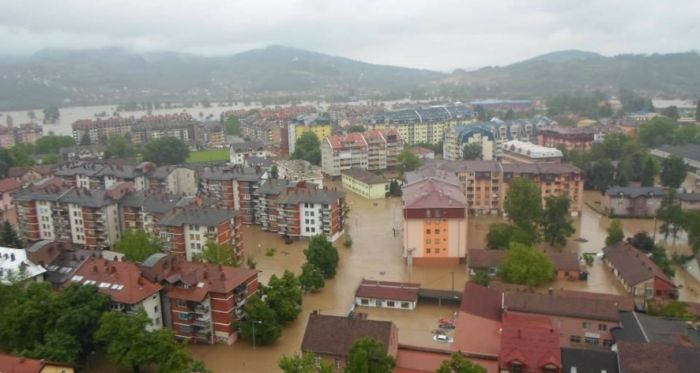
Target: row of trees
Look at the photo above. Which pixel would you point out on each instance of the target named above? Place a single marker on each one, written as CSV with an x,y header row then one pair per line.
x,y
46,148
68,326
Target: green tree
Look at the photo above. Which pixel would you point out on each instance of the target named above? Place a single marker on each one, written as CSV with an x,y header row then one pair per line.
x,y
407,161
648,173
232,125
692,226
557,225
51,114
118,147
471,151
129,345
198,367
697,112
274,172
303,364
22,154
673,309
673,172
53,144
658,256
308,147
323,255
311,278
166,151
284,296
459,364
137,245
368,355
657,131
499,236
395,188
602,175
671,112
615,233
9,237
525,265
481,277
523,204
6,161
672,216
215,253
262,319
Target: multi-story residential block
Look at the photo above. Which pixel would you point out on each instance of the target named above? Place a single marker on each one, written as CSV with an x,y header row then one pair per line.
x,y
54,210
87,131
143,210
201,302
123,282
306,211
267,131
179,126
213,135
371,150
296,170
567,138
490,135
26,133
266,209
434,222
553,180
633,201
103,174
312,122
365,183
173,179
233,187
423,125
185,231
516,151
239,152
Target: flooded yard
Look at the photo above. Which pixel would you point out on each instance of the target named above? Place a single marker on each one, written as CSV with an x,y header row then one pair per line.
x,y
376,254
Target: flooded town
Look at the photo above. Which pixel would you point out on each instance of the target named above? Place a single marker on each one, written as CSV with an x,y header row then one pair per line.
x,y
330,187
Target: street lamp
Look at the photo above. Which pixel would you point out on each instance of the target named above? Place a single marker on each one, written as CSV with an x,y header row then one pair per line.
x,y
252,323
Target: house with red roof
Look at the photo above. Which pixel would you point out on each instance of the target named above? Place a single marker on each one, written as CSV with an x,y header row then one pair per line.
x,y
529,344
123,282
387,294
20,364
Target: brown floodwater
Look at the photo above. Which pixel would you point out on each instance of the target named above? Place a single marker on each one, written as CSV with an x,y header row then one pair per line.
x,y
376,254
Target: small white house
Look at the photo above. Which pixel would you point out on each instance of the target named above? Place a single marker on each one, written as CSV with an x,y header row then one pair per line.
x,y
16,267
240,152
386,294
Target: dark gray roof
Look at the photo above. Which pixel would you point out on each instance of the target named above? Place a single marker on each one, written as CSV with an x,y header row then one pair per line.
x,y
237,172
36,246
254,161
635,192
431,171
163,171
364,176
207,216
309,195
247,146
690,151
65,264
153,260
151,202
588,361
158,125
41,194
87,197
275,186
639,327
689,197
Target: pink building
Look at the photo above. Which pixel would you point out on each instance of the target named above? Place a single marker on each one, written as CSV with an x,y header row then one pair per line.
x,y
7,187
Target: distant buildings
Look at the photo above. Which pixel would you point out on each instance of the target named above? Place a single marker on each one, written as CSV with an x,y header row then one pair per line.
x,y
365,183
690,154
640,276
7,188
26,133
329,338
181,127
503,105
515,151
434,222
423,154
213,135
633,201
422,125
567,138
371,150
312,122
241,151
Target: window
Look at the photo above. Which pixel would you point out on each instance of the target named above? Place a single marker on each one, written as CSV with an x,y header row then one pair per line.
x,y
592,341
337,363
427,251
364,301
575,339
390,303
516,367
183,316
427,231
586,325
603,327
437,231
317,361
404,304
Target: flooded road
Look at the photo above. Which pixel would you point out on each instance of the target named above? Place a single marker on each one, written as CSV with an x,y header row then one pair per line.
x,y
376,254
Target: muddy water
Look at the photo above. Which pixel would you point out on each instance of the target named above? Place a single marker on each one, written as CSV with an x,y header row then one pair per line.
x,y
376,254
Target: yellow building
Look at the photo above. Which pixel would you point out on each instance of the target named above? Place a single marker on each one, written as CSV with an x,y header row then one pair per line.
x,y
321,130
423,125
365,183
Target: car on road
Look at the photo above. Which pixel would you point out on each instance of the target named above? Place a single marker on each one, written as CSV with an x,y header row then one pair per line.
x,y
442,338
446,326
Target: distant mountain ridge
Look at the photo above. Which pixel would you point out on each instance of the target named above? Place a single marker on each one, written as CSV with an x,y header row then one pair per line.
x,y
114,75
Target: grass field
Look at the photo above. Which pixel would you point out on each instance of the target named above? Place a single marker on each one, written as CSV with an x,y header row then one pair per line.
x,y
211,155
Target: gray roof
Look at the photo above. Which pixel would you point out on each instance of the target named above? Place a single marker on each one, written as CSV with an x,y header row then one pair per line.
x,y
158,125
247,146
65,264
309,195
50,193
635,192
163,171
274,186
689,197
36,246
431,171
153,260
224,173
588,360
364,176
87,197
207,216
690,151
639,327
151,202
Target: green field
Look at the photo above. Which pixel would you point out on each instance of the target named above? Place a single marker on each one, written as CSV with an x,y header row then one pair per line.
x,y
211,155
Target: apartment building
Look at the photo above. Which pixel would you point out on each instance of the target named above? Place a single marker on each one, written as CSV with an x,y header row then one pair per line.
x,y
516,151
421,125
201,302
371,150
213,135
434,222
365,183
297,170
185,231
306,211
234,187
180,180
490,135
567,138
179,126
54,210
553,180
143,210
312,122
266,209
103,174
92,132
258,129
239,152
124,284
26,133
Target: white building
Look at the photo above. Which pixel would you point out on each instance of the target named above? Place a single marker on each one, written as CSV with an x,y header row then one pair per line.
x,y
16,267
386,294
240,152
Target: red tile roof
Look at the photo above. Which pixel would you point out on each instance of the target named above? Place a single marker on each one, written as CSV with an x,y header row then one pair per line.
x,y
557,305
350,140
433,194
126,285
623,302
9,185
531,340
17,364
400,291
481,301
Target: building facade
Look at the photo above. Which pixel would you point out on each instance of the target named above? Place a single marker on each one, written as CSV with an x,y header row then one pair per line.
x,y
365,183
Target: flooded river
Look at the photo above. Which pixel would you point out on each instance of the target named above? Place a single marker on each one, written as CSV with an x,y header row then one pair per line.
x,y
376,254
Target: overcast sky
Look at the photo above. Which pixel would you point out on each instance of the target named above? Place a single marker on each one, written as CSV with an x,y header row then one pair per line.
x,y
431,34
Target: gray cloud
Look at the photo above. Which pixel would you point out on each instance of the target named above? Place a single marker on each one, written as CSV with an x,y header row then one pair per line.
x,y
431,34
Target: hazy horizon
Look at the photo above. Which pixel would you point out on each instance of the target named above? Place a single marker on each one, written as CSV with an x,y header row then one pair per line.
x,y
441,35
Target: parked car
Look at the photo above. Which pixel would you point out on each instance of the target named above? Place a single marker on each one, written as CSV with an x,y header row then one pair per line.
x,y
446,320
442,338
446,326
